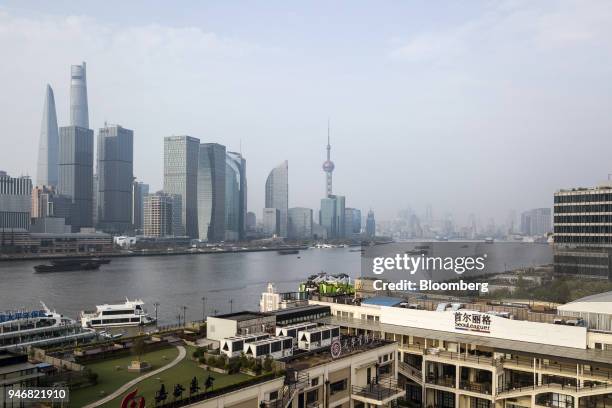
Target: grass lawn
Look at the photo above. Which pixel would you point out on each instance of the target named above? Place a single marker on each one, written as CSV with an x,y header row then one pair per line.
x,y
109,378
182,373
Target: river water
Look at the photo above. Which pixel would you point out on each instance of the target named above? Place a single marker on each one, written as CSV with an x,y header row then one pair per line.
x,y
173,281
182,280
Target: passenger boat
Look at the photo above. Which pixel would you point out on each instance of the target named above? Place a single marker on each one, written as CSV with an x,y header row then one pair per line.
x,y
21,329
128,313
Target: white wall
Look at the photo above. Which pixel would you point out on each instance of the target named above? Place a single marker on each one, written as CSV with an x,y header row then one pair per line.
x,y
542,333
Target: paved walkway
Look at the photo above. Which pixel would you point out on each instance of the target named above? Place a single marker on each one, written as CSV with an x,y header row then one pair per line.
x,y
181,355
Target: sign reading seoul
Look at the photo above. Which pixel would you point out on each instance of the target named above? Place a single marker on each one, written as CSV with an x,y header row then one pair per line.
x,y
472,321
18,315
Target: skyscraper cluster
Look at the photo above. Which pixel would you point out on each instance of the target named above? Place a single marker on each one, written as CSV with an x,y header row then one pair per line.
x,y
66,185
204,193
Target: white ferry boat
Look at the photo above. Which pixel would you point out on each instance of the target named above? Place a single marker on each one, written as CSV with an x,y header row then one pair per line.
x,y
20,329
129,313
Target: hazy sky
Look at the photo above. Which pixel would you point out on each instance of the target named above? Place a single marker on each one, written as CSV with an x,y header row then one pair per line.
x,y
473,106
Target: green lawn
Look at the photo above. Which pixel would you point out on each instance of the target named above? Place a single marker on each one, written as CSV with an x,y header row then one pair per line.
x,y
110,378
181,373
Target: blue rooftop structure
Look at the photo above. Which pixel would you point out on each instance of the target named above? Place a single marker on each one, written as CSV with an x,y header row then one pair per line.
x,y
382,301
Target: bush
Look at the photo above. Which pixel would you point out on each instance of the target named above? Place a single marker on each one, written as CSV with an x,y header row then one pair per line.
x,y
267,364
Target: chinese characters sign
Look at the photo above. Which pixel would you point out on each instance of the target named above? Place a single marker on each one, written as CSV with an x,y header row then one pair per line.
x,y
472,321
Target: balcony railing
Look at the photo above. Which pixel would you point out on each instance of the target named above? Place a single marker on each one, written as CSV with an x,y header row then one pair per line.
x,y
481,388
554,386
434,352
443,381
380,390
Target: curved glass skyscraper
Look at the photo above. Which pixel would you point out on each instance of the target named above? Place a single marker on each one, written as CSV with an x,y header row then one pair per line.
x,y
48,147
277,194
211,192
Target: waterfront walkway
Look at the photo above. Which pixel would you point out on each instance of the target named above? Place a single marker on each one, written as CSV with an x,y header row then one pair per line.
x,y
125,387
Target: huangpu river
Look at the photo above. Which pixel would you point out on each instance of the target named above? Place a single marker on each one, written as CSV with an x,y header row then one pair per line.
x,y
228,281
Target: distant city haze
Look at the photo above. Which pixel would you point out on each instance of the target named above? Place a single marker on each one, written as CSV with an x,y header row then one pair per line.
x,y
479,107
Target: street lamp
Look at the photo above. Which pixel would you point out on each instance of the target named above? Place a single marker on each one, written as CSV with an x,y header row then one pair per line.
x,y
156,304
231,302
203,308
184,315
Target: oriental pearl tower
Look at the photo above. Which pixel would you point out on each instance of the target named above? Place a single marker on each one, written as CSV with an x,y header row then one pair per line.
x,y
328,167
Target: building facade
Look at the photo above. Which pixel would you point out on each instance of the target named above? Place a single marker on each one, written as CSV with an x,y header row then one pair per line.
x,y
371,224
115,179
181,178
583,232
536,222
332,216
48,145
352,222
240,163
300,223
158,215
211,192
277,194
470,358
271,221
15,202
139,191
76,174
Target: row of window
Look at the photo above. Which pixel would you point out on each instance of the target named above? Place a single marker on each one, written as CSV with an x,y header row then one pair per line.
x,y
583,229
583,198
583,219
588,240
583,208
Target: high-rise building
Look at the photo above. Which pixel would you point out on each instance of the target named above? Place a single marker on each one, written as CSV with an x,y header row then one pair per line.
x,y
181,177
328,167
332,216
352,222
139,191
47,203
277,194
271,221
79,111
240,163
583,232
76,174
95,200
251,221
115,178
211,192
536,222
48,145
300,223
158,215
371,224
232,199
15,202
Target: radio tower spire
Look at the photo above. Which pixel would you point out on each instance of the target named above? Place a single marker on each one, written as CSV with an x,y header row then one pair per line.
x,y
328,166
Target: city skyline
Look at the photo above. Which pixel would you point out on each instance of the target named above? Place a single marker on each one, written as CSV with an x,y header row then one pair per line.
x,y
491,147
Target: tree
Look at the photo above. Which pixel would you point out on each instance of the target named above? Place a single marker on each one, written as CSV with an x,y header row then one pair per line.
x,y
208,383
161,395
267,364
139,347
194,387
178,391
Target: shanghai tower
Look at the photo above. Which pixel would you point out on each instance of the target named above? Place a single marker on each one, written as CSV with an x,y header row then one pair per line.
x,y
48,145
79,115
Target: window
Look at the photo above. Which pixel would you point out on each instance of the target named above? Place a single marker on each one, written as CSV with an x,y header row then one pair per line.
x,y
479,403
273,395
312,396
337,386
276,346
314,382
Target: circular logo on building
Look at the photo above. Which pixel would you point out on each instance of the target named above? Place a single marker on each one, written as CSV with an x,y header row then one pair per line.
x,y
336,349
